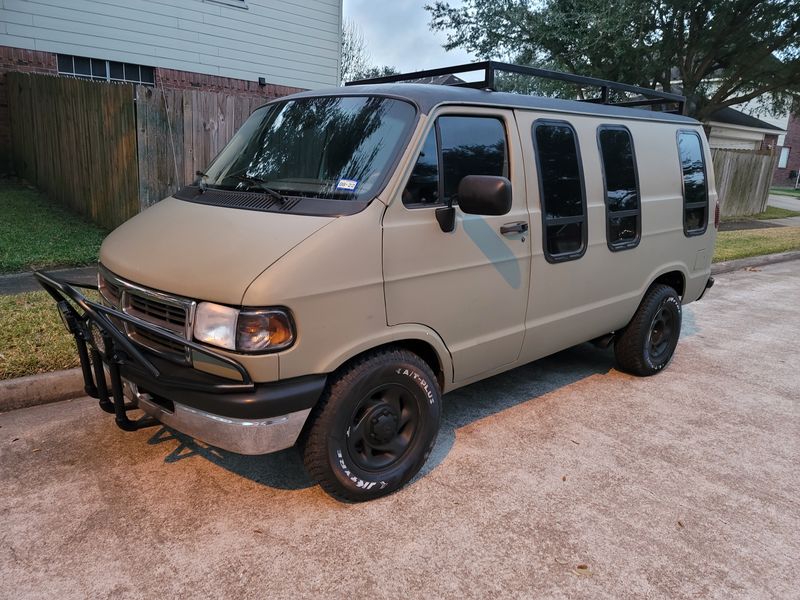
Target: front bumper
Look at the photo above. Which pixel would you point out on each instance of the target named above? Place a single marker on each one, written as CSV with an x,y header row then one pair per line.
x,y
243,436
236,415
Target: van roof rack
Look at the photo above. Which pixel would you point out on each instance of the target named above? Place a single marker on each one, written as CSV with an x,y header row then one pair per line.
x,y
672,103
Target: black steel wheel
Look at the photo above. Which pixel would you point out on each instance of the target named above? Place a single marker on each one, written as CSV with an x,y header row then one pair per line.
x,y
374,426
648,342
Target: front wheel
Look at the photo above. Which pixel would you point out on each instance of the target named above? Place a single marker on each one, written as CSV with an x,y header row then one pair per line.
x,y
374,426
647,344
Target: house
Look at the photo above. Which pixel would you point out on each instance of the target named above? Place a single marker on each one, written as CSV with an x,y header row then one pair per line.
x,y
788,167
732,129
263,48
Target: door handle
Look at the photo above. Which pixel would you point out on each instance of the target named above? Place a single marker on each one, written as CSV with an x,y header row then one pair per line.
x,y
516,227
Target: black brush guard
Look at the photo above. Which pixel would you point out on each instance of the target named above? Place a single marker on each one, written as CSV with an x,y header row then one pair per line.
x,y
100,342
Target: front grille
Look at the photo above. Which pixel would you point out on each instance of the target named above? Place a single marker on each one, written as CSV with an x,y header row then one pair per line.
x,y
111,292
154,341
167,312
160,313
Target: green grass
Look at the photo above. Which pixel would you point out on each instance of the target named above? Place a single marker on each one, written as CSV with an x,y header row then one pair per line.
x,y
755,242
785,192
36,233
773,212
32,337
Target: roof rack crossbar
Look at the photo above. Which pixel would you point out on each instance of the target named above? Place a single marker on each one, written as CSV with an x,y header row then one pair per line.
x,y
491,68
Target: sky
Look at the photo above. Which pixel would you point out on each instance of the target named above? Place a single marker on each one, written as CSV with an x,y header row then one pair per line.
x,y
397,34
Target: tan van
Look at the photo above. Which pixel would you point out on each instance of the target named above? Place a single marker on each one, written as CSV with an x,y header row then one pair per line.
x,y
353,254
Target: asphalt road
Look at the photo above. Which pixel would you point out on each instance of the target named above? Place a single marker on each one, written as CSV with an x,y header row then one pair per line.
x,y
564,478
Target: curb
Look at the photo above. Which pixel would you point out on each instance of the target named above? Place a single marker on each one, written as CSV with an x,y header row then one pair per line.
x,y
44,388
18,283
754,261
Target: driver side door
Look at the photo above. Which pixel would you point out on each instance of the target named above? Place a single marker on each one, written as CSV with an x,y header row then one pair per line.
x,y
469,285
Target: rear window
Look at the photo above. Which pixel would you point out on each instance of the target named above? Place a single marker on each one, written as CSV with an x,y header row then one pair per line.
x,y
695,191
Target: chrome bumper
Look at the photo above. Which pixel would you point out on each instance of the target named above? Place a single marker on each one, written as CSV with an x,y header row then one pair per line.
x,y
243,436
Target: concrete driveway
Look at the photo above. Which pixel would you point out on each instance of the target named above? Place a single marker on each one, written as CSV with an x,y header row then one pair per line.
x,y
564,478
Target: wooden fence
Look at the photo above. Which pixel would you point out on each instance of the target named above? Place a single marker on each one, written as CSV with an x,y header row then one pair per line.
x,y
743,180
76,140
179,132
109,151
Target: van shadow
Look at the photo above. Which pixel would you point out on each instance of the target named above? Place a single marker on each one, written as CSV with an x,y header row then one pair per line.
x,y
284,469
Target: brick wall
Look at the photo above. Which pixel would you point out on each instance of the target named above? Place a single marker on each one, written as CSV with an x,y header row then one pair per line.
x,y
781,177
172,79
32,61
26,61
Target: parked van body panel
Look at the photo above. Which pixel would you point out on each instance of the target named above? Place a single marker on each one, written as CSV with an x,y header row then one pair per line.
x,y
202,252
469,285
580,299
333,284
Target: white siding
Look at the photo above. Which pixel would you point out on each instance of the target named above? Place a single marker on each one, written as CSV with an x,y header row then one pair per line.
x,y
295,43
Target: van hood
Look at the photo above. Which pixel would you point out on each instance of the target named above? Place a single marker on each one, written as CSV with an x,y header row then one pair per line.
x,y
202,252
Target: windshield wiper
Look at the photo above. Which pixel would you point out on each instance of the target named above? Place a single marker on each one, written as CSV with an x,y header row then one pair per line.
x,y
262,185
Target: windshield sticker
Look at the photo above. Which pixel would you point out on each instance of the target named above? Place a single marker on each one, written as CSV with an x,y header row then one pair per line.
x,y
347,184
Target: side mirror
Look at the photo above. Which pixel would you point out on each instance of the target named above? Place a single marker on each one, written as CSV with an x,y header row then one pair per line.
x,y
484,195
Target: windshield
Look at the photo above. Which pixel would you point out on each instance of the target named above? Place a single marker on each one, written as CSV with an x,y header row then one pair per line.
x,y
326,147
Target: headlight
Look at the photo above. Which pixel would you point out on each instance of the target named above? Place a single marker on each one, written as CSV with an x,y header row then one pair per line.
x,y
245,330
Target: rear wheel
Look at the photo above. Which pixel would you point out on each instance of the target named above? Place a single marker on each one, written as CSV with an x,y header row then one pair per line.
x,y
647,344
374,426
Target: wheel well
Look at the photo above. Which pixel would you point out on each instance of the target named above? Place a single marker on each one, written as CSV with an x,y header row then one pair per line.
x,y
674,279
426,352
422,349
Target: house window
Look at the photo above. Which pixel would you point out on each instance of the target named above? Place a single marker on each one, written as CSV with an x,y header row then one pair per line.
x,y
456,147
623,209
104,70
783,160
695,193
561,190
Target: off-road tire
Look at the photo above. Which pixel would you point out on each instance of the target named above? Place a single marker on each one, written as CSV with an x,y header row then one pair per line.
x,y
634,348
337,462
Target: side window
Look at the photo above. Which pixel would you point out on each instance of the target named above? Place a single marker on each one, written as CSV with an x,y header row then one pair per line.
x,y
561,190
422,188
471,146
466,146
695,192
623,208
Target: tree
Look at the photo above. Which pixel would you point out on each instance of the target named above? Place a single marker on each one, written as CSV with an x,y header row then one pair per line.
x,y
717,53
356,61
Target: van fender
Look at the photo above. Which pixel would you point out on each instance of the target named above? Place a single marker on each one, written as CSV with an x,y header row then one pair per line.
x,y
403,332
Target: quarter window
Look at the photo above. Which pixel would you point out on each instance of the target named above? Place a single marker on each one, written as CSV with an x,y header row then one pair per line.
x,y
623,207
561,190
456,147
695,192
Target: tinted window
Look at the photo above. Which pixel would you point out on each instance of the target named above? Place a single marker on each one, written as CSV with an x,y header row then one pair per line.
x,y
621,187
148,74
65,64
695,194
83,66
116,70
339,147
561,187
469,146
